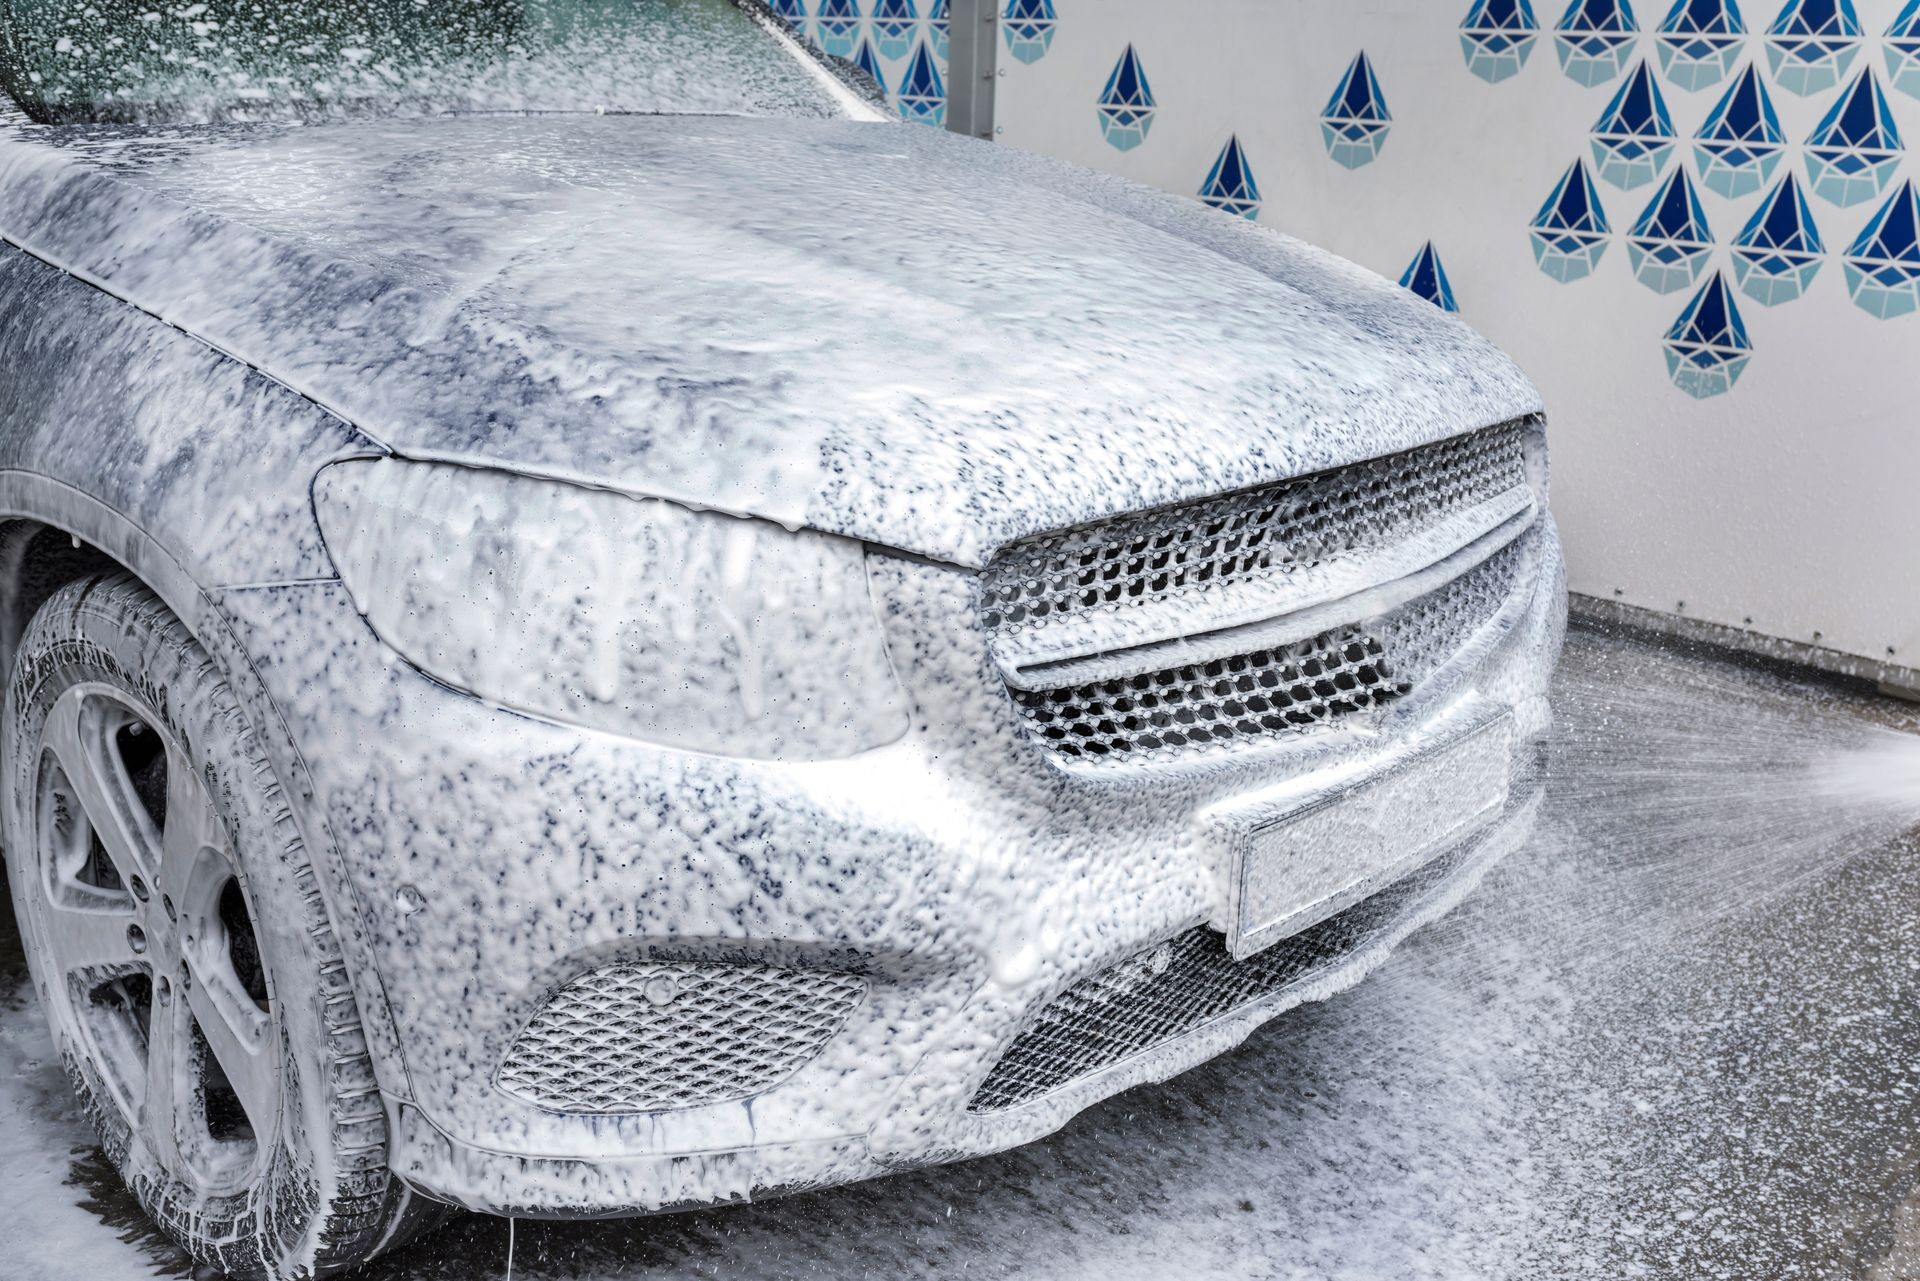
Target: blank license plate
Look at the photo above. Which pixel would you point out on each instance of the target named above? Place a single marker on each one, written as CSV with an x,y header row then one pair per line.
x,y
1299,867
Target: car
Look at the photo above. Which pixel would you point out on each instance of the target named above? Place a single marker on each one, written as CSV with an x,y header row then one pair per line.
x,y
595,624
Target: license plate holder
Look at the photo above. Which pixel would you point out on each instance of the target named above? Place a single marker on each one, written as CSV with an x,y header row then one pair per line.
x,y
1293,866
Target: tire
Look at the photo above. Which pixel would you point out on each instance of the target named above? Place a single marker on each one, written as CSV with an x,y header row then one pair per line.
x,y
182,950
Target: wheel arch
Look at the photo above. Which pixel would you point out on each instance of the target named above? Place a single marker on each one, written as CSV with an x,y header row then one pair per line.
x,y
52,534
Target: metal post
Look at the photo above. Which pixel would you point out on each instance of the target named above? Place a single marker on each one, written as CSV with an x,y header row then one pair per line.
x,y
973,31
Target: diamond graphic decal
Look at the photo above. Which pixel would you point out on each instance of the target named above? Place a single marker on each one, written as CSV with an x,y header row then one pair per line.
x,y
1570,232
1497,36
1707,348
1634,135
1903,50
868,61
1883,262
938,28
1669,244
1699,42
1426,277
1029,26
1740,144
1778,253
1126,104
923,95
1594,39
893,24
1230,186
1812,43
1854,150
1355,123
793,11
838,23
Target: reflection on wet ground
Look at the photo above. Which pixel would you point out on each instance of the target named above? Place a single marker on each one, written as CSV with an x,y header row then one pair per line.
x,y
1676,1036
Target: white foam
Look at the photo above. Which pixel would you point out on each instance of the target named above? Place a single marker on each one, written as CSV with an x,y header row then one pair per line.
x,y
42,1134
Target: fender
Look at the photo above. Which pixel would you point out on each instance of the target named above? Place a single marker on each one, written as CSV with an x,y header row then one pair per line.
x,y
28,497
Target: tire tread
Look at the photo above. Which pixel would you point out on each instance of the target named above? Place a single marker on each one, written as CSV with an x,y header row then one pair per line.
x,y
258,1233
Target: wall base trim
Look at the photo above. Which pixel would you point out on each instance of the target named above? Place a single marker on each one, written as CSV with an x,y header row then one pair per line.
x,y
1891,678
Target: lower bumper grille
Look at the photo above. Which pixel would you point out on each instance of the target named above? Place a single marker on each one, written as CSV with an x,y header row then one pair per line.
x,y
1279,691
649,1037
1185,983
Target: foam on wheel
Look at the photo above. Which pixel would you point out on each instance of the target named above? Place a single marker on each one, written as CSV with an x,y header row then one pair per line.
x,y
182,950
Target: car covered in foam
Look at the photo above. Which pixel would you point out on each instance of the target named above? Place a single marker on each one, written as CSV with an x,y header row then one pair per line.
x,y
586,650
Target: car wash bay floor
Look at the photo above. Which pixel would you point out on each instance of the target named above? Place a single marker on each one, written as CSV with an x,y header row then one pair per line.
x,y
1678,1035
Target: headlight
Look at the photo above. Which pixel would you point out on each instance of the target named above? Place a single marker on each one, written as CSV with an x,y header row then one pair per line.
x,y
637,616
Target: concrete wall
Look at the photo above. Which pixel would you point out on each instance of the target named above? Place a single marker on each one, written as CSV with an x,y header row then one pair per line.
x,y
1766,476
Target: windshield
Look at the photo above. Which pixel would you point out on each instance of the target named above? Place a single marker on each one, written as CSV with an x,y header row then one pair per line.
x,y
225,59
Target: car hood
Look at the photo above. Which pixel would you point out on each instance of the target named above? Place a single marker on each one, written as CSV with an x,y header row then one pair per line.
x,y
880,331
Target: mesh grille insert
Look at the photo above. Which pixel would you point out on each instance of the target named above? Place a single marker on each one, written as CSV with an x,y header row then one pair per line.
x,y
1255,534
647,1037
1273,692
1182,984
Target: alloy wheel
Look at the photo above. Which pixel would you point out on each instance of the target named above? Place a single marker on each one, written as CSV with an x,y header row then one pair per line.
x,y
149,940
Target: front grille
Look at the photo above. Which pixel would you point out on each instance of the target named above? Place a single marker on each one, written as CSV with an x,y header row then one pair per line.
x,y
1274,692
648,1037
1256,534
1185,983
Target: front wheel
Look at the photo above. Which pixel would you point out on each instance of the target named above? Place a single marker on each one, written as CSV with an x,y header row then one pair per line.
x,y
182,950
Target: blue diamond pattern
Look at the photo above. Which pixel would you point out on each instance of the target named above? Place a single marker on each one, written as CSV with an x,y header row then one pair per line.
x,y
1426,277
1230,187
1126,105
793,11
1853,152
1778,253
1355,123
1670,242
923,95
1883,262
1497,36
868,61
1634,136
1594,39
1812,43
1741,142
838,23
1699,42
1029,26
1903,50
893,24
1707,348
1569,234
939,28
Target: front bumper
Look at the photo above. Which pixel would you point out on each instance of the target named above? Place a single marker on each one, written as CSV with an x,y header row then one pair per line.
x,y
965,875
